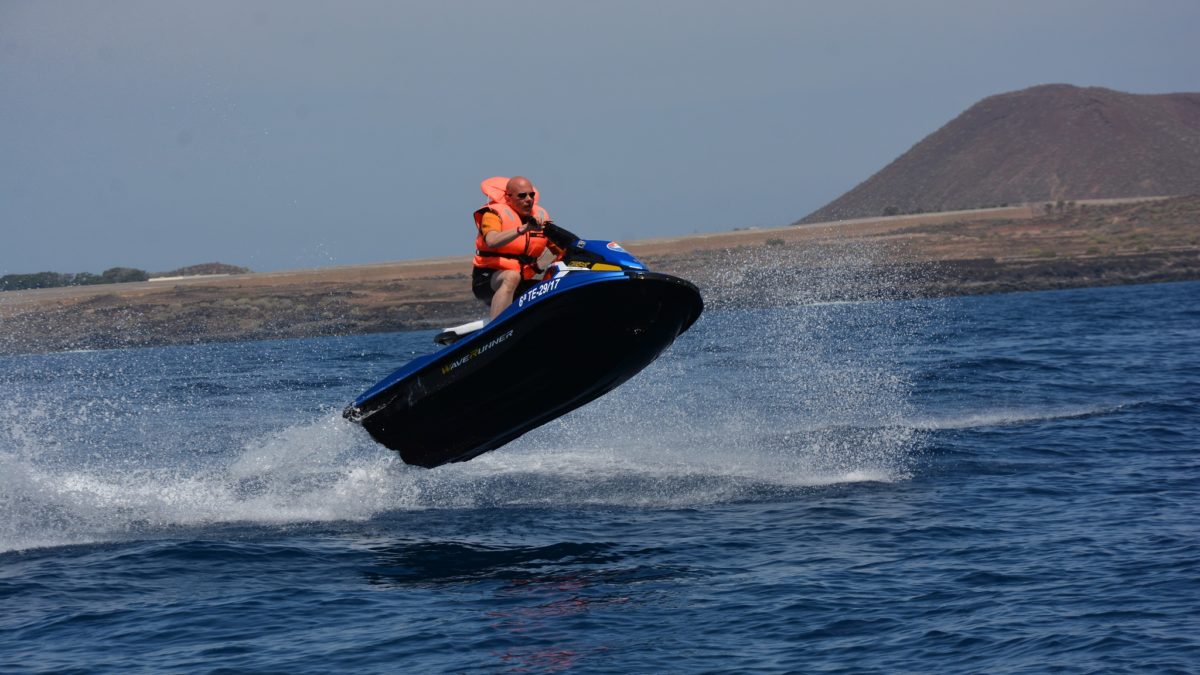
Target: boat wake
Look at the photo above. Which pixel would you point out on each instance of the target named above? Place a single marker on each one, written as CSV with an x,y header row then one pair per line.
x,y
751,404
330,470
1011,416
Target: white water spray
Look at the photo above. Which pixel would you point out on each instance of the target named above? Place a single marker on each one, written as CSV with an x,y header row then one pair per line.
x,y
778,388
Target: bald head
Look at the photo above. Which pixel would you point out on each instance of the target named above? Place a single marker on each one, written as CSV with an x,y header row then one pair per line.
x,y
520,195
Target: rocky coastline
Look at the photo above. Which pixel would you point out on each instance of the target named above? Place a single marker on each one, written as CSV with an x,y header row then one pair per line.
x,y
932,255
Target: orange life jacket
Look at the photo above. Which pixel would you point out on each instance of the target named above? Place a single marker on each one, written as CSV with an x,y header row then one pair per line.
x,y
519,254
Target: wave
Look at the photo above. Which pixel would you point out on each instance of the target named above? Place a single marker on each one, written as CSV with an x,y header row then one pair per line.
x,y
329,470
757,404
1010,416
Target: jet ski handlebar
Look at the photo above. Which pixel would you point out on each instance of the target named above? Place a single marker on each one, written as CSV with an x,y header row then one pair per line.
x,y
560,236
598,255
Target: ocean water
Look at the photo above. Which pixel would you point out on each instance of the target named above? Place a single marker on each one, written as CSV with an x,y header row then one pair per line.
x,y
990,484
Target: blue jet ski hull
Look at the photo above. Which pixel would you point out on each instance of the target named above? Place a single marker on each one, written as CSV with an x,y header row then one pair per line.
x,y
562,344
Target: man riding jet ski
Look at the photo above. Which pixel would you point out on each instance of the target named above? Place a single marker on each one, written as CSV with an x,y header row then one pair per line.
x,y
510,241
592,320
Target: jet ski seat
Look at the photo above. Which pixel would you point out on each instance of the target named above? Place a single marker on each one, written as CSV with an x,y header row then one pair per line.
x,y
451,335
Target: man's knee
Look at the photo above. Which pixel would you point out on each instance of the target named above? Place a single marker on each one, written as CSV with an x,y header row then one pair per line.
x,y
506,280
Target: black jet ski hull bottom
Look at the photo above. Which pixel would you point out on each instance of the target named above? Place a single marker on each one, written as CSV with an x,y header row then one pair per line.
x,y
543,362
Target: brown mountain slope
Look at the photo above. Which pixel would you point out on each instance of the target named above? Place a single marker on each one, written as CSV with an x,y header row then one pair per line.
x,y
1047,143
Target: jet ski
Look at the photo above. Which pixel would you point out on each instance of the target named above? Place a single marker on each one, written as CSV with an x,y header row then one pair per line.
x,y
596,319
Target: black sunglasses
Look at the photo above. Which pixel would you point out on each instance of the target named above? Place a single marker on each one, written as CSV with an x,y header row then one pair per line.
x,y
523,195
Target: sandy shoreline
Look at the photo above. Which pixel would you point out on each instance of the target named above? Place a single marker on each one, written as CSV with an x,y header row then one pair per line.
x,y
984,251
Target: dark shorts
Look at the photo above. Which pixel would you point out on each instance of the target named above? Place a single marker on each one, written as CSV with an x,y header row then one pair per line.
x,y
481,284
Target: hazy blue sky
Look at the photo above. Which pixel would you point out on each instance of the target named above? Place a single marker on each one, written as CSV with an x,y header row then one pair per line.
x,y
286,134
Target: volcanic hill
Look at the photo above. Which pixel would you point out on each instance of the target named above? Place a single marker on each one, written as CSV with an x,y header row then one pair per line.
x,y
1048,143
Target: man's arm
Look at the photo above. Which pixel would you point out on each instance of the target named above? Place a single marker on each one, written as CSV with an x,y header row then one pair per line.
x,y
495,237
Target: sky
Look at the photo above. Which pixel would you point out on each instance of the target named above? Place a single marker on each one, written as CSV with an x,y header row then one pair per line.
x,y
287,134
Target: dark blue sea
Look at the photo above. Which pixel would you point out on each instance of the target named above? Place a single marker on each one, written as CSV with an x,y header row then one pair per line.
x,y
1007,483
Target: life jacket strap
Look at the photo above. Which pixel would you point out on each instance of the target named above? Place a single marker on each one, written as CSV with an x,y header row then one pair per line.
x,y
529,260
523,259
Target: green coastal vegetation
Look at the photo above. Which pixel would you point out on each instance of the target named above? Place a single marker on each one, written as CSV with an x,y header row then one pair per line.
x,y
112,275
